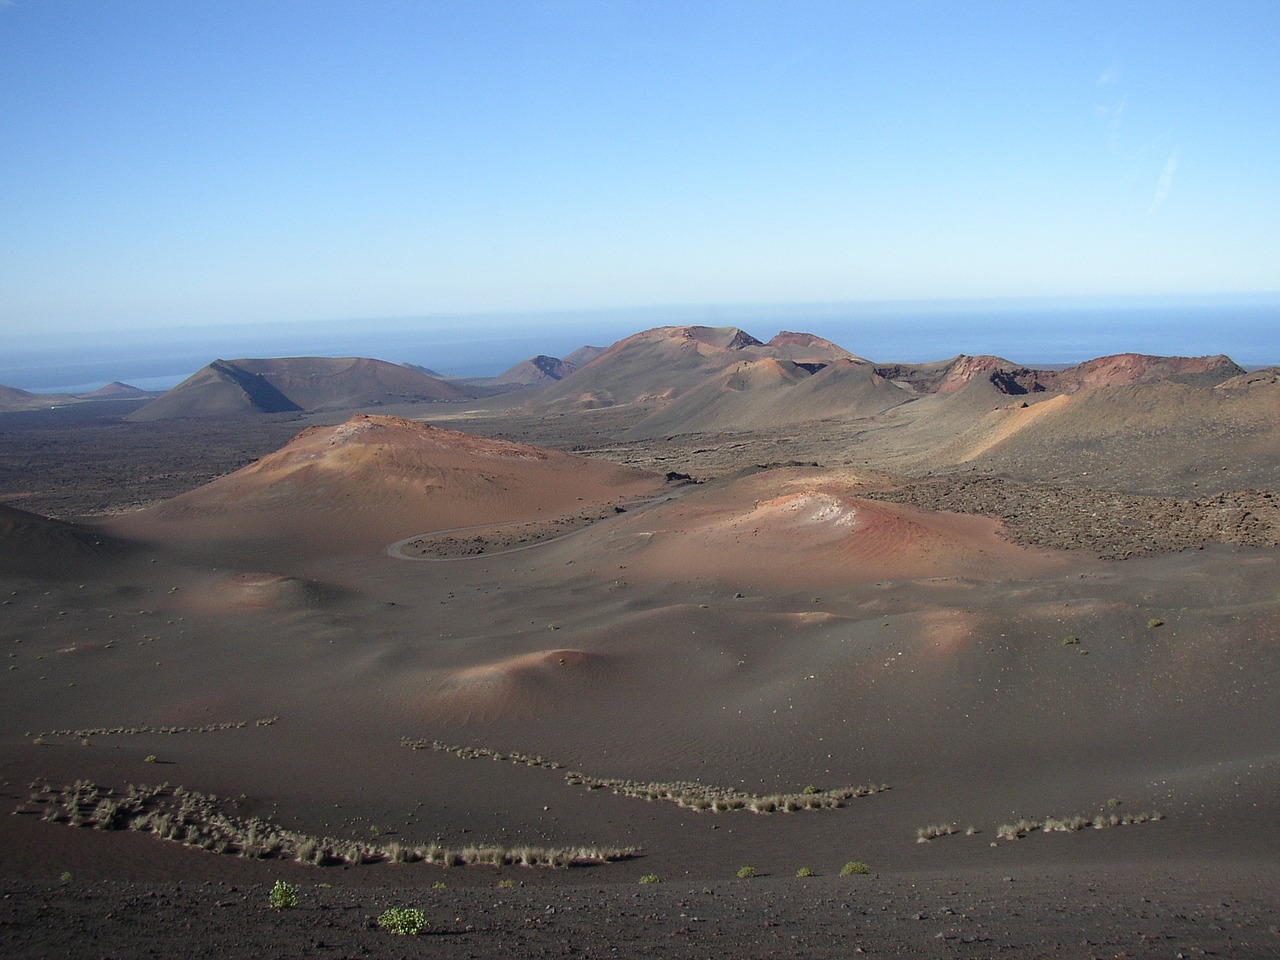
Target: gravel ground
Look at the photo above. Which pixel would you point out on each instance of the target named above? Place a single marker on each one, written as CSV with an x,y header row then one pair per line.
x,y
1120,913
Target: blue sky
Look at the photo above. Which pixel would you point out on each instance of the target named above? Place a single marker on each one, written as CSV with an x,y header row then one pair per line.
x,y
174,163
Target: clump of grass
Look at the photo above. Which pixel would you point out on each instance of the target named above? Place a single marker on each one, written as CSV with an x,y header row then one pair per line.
x,y
853,868
200,820
283,896
403,921
651,878
506,884
805,872
933,831
1071,824
1154,622
746,873
1070,641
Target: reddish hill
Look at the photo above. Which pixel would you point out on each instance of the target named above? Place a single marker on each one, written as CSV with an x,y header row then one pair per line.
x,y
116,391
805,346
239,387
375,479
1124,369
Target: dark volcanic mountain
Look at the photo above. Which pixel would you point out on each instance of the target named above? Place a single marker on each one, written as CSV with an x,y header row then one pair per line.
x,y
296,384
536,371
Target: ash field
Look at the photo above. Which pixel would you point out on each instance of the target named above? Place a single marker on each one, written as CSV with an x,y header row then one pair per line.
x,y
952,659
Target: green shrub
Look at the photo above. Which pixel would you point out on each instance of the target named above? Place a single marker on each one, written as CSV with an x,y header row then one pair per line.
x,y
403,921
1154,622
746,873
1069,641
651,878
810,790
805,872
854,867
283,896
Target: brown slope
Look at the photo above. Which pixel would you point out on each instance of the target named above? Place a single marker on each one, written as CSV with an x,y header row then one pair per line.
x,y
949,376
764,394
1163,437
116,391
805,346
375,479
583,355
536,371
652,366
1131,368
291,384
797,528
36,546
12,398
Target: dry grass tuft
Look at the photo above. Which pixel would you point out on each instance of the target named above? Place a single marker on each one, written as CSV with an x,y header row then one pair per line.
x,y
199,820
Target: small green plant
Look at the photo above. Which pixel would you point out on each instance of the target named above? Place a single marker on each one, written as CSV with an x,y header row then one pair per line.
x,y
403,921
854,867
1154,622
150,758
506,884
651,878
1114,802
805,872
746,873
1070,641
438,885
66,876
810,790
284,896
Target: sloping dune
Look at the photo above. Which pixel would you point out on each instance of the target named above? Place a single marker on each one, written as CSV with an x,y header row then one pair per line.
x,y
32,545
514,686
794,528
375,479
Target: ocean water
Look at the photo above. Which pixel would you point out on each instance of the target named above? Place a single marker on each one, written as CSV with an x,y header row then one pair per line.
x,y
1028,332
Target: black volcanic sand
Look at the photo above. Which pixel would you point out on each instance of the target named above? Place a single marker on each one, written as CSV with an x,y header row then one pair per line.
x,y
1119,912
1151,682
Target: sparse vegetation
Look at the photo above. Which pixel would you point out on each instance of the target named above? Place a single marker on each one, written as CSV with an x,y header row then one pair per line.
x,y
1154,622
933,831
746,873
142,728
200,820
684,793
853,868
651,878
805,872
283,896
1071,824
1070,641
403,921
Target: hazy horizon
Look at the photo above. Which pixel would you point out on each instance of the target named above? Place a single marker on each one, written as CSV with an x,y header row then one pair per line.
x,y
1026,331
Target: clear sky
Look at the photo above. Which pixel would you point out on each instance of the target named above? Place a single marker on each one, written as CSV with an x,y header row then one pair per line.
x,y
177,162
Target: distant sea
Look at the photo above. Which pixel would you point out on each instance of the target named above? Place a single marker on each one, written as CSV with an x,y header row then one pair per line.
x,y
1030,332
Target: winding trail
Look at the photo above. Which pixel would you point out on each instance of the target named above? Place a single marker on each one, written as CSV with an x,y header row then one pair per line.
x,y
396,550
